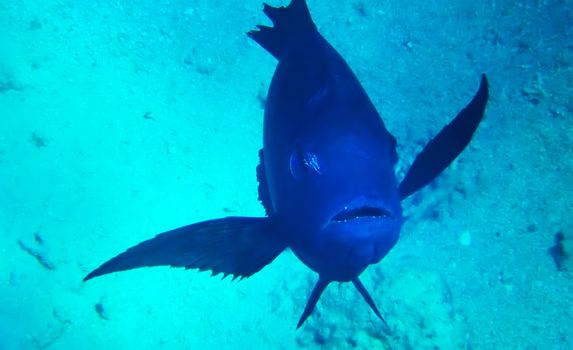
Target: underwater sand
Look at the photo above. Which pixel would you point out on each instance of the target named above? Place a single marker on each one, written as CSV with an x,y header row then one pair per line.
x,y
120,120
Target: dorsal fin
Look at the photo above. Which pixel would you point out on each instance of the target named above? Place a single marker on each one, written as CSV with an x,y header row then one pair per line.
x,y
264,195
288,23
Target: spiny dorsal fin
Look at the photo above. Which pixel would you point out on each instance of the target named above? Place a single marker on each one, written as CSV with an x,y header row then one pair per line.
x,y
288,22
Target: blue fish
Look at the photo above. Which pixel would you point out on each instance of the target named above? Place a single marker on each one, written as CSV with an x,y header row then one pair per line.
x,y
326,176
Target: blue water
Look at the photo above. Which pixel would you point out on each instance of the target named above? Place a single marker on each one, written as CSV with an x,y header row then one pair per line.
x,y
120,120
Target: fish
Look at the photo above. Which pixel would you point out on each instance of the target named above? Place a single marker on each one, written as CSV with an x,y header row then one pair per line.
x,y
326,174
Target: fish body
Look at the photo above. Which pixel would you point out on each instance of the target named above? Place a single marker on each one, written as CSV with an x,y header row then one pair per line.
x,y
328,158
326,174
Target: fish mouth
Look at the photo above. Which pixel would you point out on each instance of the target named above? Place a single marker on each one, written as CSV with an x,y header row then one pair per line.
x,y
364,212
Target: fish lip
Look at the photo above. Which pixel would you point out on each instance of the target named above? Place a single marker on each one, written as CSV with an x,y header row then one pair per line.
x,y
360,213
362,210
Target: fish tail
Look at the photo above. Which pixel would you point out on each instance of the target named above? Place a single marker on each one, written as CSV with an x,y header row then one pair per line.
x,y
288,22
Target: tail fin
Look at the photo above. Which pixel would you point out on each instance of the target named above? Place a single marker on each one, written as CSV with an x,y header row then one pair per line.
x,y
288,22
239,246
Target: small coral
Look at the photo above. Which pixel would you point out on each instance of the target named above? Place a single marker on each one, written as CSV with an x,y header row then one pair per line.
x,y
561,251
567,245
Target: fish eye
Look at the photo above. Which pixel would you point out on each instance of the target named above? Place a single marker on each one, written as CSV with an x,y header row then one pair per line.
x,y
303,164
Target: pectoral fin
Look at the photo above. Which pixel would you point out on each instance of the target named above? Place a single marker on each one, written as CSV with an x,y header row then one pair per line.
x,y
240,246
441,151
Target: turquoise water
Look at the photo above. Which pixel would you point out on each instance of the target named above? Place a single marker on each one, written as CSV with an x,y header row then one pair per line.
x,y
120,120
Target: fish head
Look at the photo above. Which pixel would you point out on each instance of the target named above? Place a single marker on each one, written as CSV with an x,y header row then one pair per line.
x,y
345,198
